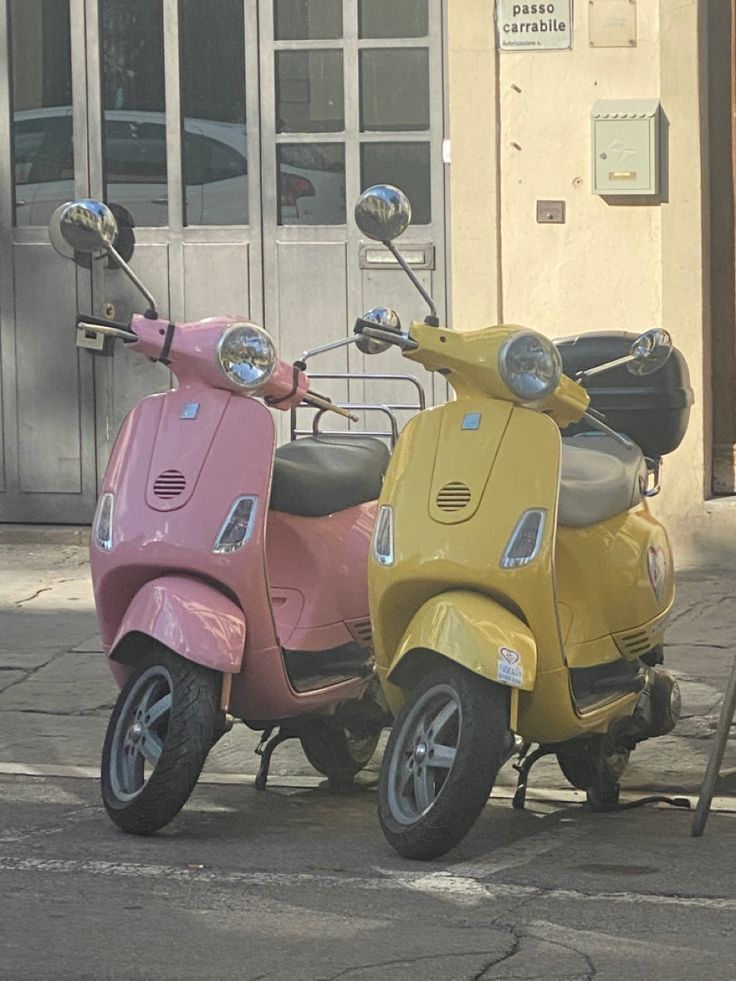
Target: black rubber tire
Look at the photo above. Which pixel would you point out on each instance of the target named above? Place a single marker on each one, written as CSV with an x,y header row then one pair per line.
x,y
604,792
481,746
577,763
592,764
335,752
187,733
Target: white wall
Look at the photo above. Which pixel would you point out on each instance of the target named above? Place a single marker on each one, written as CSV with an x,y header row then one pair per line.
x,y
521,132
601,270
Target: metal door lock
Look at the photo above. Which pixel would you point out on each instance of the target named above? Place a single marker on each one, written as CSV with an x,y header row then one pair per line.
x,y
98,343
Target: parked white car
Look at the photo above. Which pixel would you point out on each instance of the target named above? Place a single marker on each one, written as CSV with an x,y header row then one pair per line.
x,y
311,189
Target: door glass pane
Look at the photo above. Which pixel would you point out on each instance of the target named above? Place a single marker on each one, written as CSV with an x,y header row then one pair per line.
x,y
212,59
393,18
405,165
299,20
311,180
309,92
41,87
134,150
394,89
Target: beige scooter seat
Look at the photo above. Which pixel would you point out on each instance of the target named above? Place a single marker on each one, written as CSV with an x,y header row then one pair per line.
x,y
600,478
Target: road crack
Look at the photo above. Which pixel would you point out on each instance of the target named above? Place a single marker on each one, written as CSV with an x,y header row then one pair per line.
x,y
27,599
395,962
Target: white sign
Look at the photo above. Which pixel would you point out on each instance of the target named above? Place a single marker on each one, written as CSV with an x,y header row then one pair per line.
x,y
534,26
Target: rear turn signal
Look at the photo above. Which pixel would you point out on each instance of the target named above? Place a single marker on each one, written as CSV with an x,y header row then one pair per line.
x,y
294,186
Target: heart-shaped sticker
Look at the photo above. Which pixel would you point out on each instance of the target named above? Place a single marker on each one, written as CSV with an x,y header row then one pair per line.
x,y
657,569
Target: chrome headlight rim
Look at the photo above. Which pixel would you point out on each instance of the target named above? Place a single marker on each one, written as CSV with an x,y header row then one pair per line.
x,y
508,376
251,387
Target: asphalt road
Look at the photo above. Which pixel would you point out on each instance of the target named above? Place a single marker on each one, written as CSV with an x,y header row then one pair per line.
x,y
297,884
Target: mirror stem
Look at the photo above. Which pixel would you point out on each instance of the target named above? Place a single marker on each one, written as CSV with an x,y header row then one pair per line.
x,y
306,355
432,319
603,428
582,376
152,312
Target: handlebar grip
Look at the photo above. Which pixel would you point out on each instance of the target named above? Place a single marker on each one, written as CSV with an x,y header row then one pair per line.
x,y
99,322
361,324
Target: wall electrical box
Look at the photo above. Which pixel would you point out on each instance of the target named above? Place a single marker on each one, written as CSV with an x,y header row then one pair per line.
x,y
626,147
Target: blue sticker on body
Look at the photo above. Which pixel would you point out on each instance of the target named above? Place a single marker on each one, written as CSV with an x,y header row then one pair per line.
x,y
471,420
190,410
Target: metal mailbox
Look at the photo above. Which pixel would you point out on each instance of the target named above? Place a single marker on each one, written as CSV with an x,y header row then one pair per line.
x,y
626,141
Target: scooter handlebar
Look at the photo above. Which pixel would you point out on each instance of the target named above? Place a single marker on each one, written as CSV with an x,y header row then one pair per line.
x,y
396,337
98,325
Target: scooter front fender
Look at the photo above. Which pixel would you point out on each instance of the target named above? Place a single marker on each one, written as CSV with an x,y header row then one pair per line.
x,y
193,619
473,630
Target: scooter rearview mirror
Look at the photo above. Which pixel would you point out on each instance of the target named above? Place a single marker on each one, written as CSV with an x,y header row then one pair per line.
x,y
89,227
649,352
384,318
82,226
383,213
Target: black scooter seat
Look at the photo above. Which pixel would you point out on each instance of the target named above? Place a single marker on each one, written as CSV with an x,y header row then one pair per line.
x,y
318,475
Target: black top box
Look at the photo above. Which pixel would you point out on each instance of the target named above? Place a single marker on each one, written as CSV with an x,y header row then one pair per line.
x,y
652,410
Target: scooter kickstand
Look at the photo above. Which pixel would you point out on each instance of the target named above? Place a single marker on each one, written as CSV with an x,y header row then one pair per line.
x,y
265,750
522,768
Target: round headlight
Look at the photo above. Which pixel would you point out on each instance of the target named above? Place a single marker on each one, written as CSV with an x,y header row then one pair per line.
x,y
530,365
247,355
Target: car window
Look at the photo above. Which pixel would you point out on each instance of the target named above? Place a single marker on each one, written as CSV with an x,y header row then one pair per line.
x,y
135,153
43,150
207,160
313,156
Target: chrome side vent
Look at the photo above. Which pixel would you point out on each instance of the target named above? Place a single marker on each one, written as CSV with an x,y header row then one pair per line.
x,y
169,484
453,496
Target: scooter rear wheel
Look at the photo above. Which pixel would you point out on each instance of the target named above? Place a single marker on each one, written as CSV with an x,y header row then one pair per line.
x,y
160,732
338,753
441,761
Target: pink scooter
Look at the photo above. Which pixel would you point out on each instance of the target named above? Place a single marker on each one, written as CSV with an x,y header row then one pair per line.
x,y
228,582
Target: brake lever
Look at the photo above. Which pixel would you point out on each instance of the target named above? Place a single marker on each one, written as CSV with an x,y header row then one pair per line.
x,y
325,404
398,338
601,416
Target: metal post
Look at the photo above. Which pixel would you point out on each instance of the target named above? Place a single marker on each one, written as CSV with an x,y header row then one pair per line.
x,y
716,757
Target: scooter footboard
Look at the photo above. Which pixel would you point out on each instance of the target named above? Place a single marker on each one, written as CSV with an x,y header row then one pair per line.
x,y
191,618
476,632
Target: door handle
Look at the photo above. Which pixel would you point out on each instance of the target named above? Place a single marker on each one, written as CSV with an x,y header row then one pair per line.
x,y
163,200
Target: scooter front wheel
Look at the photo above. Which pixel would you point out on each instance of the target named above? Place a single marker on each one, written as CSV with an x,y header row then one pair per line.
x,y
441,761
160,732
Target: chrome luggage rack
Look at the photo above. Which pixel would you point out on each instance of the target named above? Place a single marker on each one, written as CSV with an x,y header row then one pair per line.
x,y
386,409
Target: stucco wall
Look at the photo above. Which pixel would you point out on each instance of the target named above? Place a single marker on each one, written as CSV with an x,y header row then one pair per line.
x,y
520,130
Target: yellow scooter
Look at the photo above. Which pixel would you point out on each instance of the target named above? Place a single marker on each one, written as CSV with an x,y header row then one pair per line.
x,y
519,585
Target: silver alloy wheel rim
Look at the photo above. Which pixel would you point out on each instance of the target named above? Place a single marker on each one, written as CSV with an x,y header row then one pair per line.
x,y
138,740
424,754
